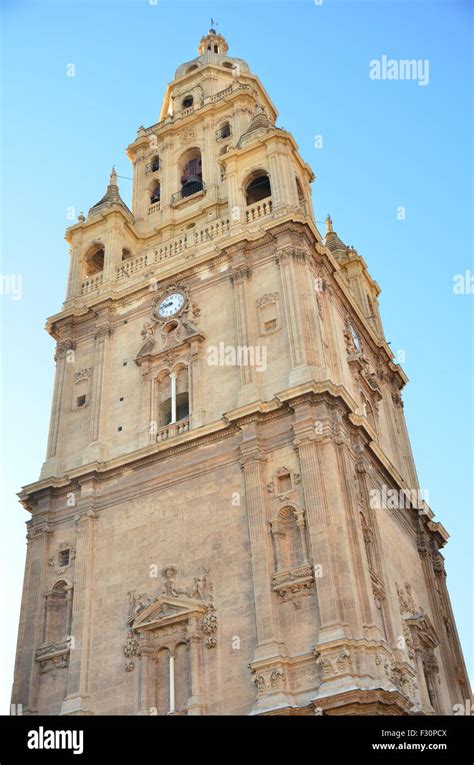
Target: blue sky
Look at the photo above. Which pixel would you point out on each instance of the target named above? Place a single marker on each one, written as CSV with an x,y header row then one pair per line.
x,y
386,144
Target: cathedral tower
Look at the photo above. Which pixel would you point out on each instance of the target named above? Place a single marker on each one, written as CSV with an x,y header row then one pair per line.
x,y
228,520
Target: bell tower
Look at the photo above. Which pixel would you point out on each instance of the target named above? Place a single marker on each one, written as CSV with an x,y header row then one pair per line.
x,y
228,519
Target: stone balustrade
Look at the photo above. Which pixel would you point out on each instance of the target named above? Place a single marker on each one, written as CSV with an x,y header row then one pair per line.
x,y
176,246
91,284
172,430
259,209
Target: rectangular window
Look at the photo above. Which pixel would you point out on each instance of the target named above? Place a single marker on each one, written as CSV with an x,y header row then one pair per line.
x,y
81,400
284,483
63,558
268,317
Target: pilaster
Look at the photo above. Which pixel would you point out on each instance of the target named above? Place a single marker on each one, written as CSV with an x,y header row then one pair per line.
x,y
78,700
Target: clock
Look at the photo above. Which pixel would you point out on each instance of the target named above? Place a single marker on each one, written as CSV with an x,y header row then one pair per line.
x,y
171,305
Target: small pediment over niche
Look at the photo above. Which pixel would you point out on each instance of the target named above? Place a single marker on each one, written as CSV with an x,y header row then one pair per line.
x,y
165,609
425,630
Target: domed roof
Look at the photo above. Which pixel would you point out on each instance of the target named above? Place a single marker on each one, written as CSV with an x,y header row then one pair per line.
x,y
111,196
342,252
212,49
260,120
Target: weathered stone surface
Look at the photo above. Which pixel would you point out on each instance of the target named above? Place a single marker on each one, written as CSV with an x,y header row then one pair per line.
x,y
267,551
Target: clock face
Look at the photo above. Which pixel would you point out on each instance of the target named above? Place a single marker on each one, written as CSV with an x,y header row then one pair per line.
x,y
171,305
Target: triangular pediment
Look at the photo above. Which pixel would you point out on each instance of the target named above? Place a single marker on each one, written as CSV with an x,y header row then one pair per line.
x,y
165,609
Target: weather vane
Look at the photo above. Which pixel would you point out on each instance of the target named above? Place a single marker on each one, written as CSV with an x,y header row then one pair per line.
x,y
214,25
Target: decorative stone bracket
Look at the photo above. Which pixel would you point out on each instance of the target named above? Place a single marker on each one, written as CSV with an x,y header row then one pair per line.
x,y
294,584
53,656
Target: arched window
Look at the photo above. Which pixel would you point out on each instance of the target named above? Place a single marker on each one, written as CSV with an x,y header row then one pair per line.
x,y
224,131
57,623
182,677
126,254
290,547
191,172
155,193
173,679
94,260
155,164
162,664
301,196
192,68
187,102
258,188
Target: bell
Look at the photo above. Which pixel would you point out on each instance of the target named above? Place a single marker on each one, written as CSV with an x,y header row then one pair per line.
x,y
192,185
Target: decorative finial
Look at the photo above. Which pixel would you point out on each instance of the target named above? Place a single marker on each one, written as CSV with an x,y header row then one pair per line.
x,y
113,177
81,217
328,224
214,27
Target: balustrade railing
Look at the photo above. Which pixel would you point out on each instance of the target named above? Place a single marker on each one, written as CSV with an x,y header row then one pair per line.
x,y
174,247
172,430
259,209
188,190
92,283
153,167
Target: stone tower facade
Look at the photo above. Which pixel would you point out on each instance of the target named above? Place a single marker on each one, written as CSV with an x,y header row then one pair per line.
x,y
228,520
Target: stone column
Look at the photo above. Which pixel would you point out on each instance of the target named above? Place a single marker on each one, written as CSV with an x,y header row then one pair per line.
x,y
173,397
195,648
196,408
253,462
433,573
147,411
147,700
209,164
166,177
406,446
278,181
321,535
460,685
425,700
112,250
362,592
77,701
292,300
315,349
288,169
362,467
99,395
64,355
31,634
235,200
325,296
239,277
74,279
